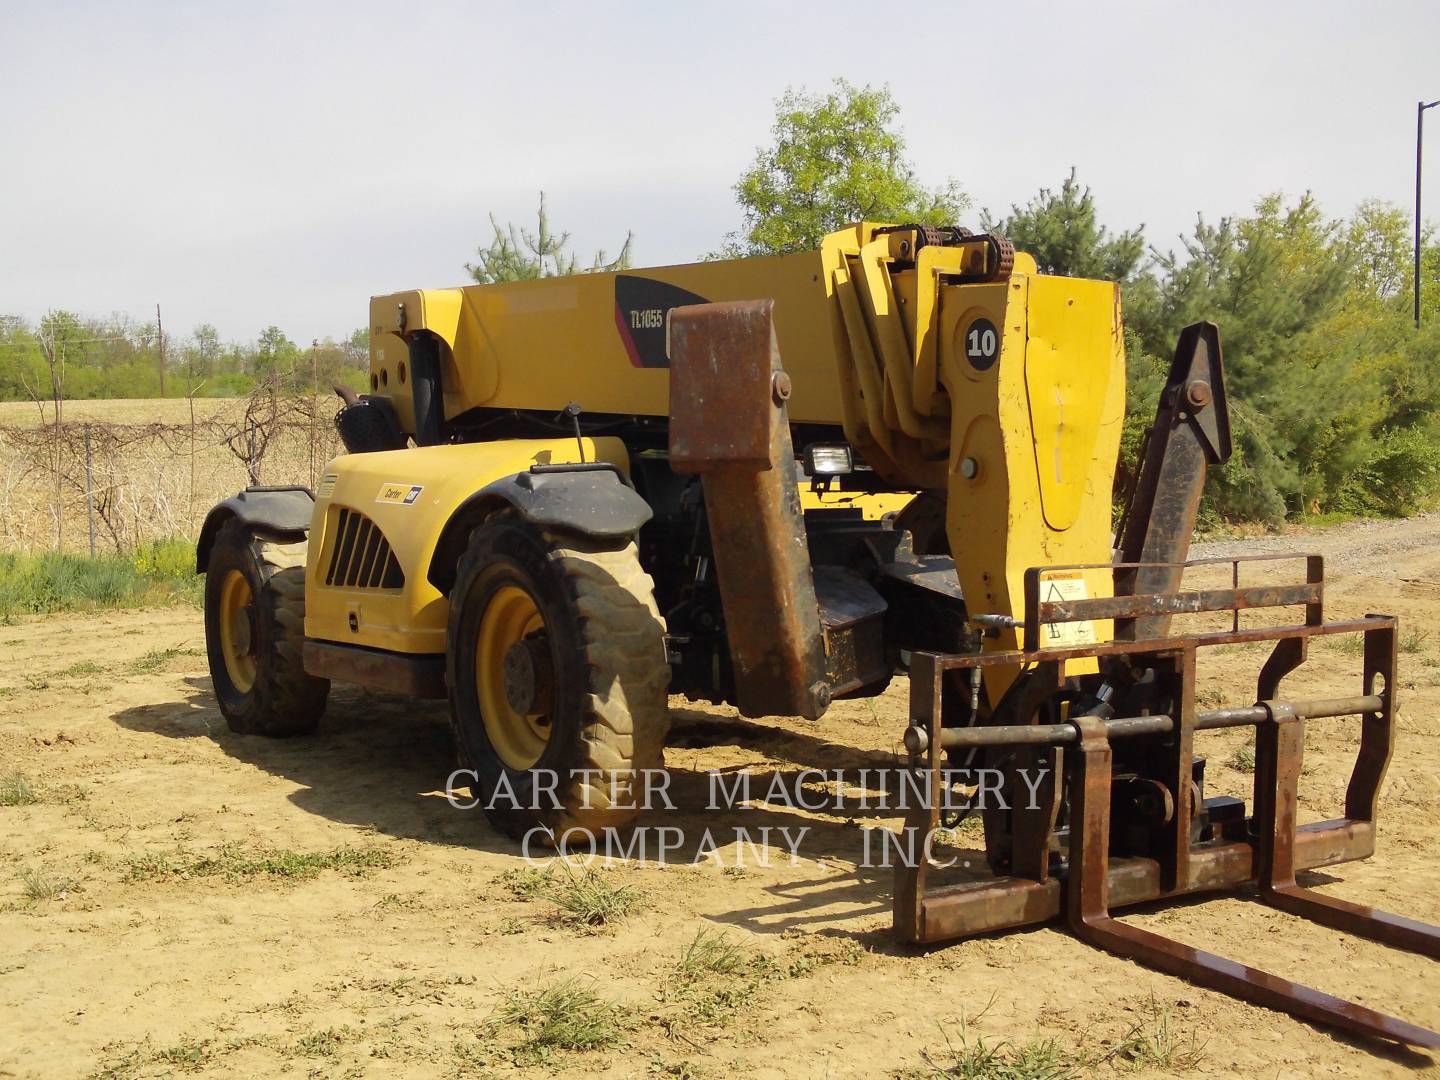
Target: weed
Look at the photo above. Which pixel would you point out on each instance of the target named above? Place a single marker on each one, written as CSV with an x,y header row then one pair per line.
x,y
684,1069
395,900
565,1015
526,882
1243,759
189,1055
156,659
15,790
321,1043
42,886
1038,1059
1153,1043
471,1057
235,863
588,900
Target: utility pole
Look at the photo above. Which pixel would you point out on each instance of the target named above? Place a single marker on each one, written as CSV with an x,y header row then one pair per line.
x,y
160,337
1420,108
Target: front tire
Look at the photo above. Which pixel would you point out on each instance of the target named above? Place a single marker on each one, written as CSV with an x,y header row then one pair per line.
x,y
558,678
255,634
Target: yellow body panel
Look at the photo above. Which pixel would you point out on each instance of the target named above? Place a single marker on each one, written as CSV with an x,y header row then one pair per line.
x,y
996,518
538,344
1022,440
412,619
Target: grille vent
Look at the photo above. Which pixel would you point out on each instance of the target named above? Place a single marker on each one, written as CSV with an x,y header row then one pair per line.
x,y
361,558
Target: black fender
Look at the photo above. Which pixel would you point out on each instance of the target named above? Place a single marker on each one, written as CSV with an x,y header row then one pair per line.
x,y
285,511
593,499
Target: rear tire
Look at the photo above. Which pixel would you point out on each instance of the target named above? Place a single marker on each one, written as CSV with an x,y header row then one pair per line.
x,y
556,664
255,634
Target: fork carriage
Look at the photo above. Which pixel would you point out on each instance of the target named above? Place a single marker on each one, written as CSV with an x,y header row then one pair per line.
x,y
1065,854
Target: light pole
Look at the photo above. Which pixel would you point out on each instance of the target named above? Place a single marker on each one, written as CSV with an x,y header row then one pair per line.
x,y
1420,108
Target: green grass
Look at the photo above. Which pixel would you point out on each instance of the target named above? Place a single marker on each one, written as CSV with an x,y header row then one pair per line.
x,y
15,790
163,572
562,1016
235,863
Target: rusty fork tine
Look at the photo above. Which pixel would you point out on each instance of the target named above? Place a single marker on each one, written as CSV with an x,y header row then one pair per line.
x,y
1279,749
1261,987
1358,919
1087,908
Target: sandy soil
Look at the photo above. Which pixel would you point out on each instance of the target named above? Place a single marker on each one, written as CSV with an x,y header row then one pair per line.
x,y
156,917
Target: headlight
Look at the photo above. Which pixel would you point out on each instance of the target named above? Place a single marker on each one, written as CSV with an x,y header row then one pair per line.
x,y
828,459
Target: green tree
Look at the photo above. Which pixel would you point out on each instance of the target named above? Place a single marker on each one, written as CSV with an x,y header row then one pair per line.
x,y
203,354
1061,230
517,254
274,352
835,159
22,363
1380,241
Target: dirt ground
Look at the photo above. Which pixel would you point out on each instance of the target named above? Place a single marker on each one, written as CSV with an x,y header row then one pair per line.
x,y
178,899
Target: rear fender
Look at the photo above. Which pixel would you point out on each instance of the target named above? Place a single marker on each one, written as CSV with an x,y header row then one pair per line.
x,y
284,511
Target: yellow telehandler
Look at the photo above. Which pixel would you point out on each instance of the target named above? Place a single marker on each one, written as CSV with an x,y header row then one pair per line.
x,y
617,491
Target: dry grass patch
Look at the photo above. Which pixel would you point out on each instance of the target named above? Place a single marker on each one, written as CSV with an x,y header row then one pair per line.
x,y
236,863
40,885
15,790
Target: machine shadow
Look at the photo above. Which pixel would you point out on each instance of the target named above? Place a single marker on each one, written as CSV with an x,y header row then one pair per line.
x,y
381,762
378,761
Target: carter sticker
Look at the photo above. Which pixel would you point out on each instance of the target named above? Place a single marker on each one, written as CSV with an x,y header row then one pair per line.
x,y
327,486
399,494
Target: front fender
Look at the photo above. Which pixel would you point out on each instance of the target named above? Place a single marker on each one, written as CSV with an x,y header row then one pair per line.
x,y
592,499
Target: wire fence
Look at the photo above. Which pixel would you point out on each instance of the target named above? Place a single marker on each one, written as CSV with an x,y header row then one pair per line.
x,y
95,486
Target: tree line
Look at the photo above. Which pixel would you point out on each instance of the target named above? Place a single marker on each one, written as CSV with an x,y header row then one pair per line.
x,y
1334,393
71,357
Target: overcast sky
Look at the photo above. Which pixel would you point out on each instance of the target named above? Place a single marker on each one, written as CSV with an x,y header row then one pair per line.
x,y
247,163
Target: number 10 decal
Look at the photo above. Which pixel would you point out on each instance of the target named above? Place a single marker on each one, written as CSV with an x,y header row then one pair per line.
x,y
982,344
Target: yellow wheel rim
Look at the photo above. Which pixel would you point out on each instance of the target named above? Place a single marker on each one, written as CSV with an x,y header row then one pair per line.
x,y
519,737
237,630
